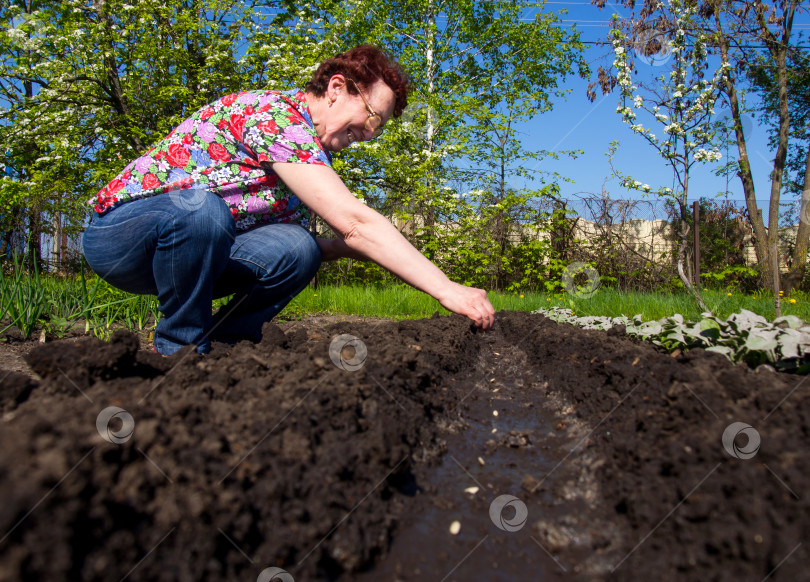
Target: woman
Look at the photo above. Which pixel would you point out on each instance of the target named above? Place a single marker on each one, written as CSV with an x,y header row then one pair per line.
x,y
221,205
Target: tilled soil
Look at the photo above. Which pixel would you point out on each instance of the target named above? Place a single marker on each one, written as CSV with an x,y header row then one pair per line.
x,y
270,455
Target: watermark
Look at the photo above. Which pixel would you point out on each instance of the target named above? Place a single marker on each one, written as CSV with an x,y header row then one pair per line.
x,y
496,513
190,199
419,119
121,435
25,30
274,575
804,212
588,288
652,46
746,451
348,352
726,120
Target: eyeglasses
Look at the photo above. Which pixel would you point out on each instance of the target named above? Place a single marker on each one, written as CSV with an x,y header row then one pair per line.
x,y
373,121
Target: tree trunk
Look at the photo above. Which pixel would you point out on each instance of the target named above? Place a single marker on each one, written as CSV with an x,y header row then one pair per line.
x,y
500,221
684,236
777,47
430,41
793,278
56,252
34,241
744,171
13,226
778,164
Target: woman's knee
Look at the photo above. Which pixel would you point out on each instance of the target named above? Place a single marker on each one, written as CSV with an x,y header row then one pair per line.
x,y
308,254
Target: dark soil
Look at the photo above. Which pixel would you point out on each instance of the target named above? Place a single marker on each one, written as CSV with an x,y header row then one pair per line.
x,y
269,455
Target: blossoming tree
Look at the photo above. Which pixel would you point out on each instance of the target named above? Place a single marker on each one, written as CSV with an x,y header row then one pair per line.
x,y
87,86
680,101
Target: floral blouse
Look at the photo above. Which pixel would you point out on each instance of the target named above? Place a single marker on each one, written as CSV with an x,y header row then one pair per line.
x,y
221,148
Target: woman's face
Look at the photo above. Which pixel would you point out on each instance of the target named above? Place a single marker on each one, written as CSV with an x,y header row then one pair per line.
x,y
343,122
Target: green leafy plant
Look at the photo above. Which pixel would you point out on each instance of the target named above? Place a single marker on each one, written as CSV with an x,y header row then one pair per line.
x,y
22,299
742,337
734,276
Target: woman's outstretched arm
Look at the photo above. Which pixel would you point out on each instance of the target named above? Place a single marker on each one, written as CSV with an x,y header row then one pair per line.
x,y
370,234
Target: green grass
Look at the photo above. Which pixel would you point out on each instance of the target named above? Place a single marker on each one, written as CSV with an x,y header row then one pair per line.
x,y
654,306
399,302
58,304
404,302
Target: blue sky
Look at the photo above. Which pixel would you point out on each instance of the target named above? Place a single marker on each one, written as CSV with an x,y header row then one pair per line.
x,y
576,123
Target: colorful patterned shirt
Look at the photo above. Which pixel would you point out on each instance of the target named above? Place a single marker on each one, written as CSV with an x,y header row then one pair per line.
x,y
221,148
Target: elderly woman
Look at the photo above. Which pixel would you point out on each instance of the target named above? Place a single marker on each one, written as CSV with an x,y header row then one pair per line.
x,y
221,205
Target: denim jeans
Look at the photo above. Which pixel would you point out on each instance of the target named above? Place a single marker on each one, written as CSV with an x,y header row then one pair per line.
x,y
183,247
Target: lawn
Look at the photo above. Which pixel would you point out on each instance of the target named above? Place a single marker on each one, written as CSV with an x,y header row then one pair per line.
x,y
58,304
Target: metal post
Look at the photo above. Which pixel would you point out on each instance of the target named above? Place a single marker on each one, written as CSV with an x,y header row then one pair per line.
x,y
777,300
313,228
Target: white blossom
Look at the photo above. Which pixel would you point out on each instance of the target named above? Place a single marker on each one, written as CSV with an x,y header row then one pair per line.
x,y
703,155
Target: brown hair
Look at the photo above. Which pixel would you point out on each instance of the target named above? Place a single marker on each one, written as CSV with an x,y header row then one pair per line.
x,y
365,65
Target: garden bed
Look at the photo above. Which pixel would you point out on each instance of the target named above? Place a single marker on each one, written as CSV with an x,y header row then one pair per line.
x,y
269,455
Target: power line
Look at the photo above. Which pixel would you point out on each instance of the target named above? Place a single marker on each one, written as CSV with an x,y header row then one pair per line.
x,y
747,46
599,23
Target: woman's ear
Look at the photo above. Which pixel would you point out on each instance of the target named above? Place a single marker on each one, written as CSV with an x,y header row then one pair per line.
x,y
335,86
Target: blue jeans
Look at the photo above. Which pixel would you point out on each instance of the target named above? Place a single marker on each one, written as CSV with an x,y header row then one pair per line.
x,y
183,247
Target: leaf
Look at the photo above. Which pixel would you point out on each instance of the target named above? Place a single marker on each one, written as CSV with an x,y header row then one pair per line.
x,y
747,319
791,321
725,350
760,343
711,335
651,328
789,347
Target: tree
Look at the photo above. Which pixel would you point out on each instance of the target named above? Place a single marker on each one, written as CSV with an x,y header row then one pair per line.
x,y
519,93
734,29
797,168
680,100
89,86
478,69
736,24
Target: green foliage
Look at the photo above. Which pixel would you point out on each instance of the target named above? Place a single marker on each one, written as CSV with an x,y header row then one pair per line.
x,y
734,277
742,337
22,299
349,272
723,230
87,87
478,69
58,304
723,234
797,79
504,242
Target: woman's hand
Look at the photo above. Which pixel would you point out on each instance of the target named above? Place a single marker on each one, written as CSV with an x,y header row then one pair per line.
x,y
470,302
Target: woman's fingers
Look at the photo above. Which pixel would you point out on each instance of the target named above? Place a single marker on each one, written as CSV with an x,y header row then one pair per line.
x,y
472,303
